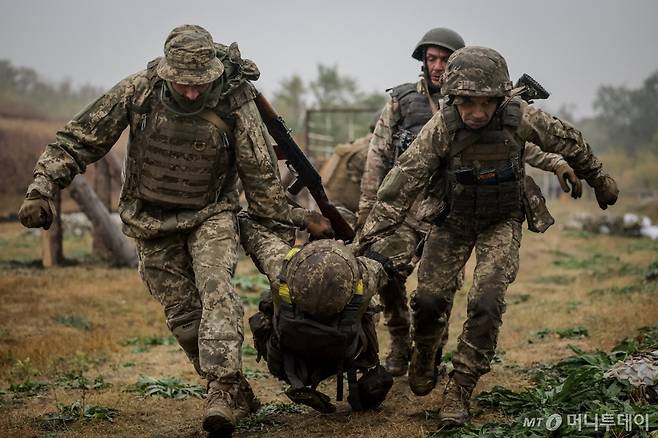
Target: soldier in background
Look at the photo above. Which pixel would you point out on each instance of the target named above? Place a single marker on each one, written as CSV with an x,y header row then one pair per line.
x,y
410,106
194,130
475,146
342,172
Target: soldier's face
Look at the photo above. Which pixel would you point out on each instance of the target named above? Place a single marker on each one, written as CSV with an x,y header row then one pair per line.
x,y
477,112
435,63
190,92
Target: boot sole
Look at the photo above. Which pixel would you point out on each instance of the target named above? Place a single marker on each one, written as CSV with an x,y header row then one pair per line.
x,y
217,424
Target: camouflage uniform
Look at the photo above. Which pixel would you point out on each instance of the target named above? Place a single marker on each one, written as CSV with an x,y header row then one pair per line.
x,y
494,231
182,214
401,247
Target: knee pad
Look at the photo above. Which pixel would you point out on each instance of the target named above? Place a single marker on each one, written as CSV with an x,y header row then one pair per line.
x,y
186,331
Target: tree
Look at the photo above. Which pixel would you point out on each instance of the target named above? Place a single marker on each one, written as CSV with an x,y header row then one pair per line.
x,y
629,116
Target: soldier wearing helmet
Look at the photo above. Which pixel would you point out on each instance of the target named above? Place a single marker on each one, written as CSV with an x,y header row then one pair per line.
x,y
475,145
194,131
408,109
318,319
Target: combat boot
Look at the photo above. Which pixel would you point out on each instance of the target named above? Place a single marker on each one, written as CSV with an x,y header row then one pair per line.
x,y
423,370
221,414
397,360
246,400
456,403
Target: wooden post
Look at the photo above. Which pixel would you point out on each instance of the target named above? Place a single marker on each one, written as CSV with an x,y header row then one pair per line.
x,y
103,189
122,249
51,240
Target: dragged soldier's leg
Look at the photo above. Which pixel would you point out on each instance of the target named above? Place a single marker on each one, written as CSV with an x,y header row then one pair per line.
x,y
166,270
213,247
497,252
445,254
396,314
400,250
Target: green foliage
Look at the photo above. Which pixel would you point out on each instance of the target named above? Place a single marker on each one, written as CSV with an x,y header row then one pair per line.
x,y
555,279
76,411
269,416
74,321
518,298
652,271
252,283
565,333
574,332
28,388
251,373
166,387
250,300
643,245
23,369
574,385
248,350
142,344
595,260
76,380
638,287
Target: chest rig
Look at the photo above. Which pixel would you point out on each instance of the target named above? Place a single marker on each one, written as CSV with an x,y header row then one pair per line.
x,y
415,112
485,168
180,161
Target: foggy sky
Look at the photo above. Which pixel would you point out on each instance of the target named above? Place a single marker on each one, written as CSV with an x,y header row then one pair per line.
x,y
571,47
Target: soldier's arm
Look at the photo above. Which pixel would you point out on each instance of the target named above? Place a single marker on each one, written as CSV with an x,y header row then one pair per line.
x,y
265,196
380,156
556,136
84,140
535,157
407,178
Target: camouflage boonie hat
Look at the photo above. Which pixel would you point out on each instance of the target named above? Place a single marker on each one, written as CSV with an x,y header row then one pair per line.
x,y
322,278
190,57
476,71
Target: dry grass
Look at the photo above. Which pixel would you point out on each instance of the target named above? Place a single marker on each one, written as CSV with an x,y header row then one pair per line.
x,y
34,344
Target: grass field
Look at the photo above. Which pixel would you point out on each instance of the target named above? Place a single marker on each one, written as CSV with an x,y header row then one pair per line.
x,y
81,346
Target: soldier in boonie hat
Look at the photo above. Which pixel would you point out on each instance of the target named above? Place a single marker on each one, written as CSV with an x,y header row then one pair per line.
x,y
190,57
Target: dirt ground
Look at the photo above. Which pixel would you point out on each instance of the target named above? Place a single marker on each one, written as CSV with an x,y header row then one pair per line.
x,y
101,322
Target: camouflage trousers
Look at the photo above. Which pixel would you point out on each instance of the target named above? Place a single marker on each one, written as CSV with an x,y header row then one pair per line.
x,y
400,248
265,248
190,275
447,250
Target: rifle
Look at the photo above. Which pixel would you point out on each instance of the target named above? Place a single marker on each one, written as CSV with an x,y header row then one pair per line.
x,y
532,89
306,176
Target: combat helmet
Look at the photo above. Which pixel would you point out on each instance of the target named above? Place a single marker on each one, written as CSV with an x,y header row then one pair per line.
x,y
476,71
322,278
439,36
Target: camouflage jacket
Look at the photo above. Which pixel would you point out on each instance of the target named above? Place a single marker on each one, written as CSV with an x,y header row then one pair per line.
x,y
92,132
411,174
382,155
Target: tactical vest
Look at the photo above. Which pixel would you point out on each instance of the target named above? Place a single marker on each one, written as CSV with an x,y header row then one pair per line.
x,y
304,351
180,161
415,112
485,169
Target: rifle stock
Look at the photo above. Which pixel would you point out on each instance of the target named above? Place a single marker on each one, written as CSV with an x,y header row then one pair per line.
x,y
307,176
